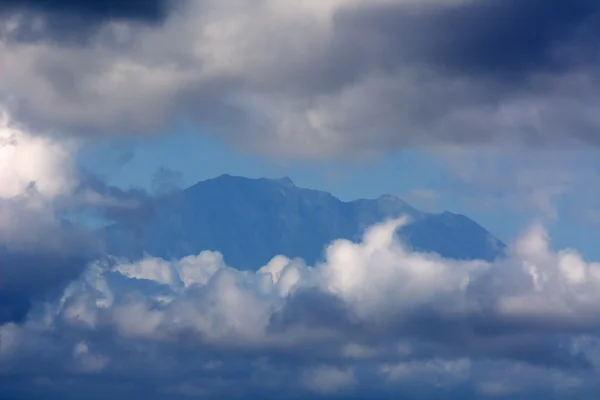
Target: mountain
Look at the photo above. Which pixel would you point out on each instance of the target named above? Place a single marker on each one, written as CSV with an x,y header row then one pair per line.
x,y
252,220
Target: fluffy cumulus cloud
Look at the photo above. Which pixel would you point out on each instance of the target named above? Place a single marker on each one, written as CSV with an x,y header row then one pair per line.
x,y
312,78
373,320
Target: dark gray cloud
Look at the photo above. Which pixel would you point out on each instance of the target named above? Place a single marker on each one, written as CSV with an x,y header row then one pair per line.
x,y
35,277
40,251
501,38
365,78
476,335
52,247
112,204
46,243
74,21
93,11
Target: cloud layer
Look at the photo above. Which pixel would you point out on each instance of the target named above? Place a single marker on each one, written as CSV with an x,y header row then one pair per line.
x,y
135,9
72,21
374,320
317,78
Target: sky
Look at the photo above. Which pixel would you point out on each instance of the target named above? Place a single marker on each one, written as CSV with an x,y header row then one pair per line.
x,y
481,107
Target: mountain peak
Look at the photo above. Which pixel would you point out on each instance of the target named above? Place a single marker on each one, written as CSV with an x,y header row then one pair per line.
x,y
249,220
389,198
286,180
226,176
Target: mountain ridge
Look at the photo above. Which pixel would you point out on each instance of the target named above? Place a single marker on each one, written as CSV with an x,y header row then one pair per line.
x,y
251,220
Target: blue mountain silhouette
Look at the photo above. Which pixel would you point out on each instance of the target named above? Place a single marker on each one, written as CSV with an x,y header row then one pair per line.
x,y
252,220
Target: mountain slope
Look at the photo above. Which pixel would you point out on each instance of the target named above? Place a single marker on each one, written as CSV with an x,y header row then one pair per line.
x,y
251,220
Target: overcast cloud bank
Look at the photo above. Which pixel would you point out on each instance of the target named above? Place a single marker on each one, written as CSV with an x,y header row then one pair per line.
x,y
316,78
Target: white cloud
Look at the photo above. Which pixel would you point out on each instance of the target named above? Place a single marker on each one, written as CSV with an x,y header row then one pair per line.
x,y
197,270
27,159
34,171
381,276
154,269
377,279
417,319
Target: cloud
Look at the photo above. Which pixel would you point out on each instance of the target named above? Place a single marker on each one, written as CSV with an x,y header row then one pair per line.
x,y
426,195
496,38
308,79
166,181
107,9
315,79
374,319
46,203
328,380
69,21
27,159
39,254
555,186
